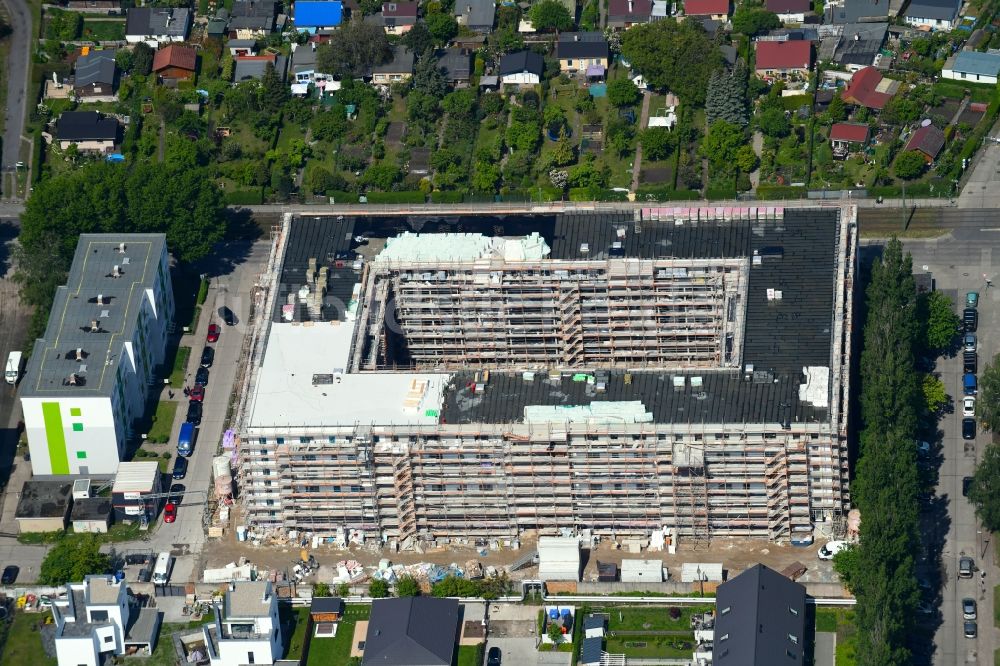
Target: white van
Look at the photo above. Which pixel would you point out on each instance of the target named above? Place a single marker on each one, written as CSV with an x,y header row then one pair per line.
x,y
831,548
13,370
161,572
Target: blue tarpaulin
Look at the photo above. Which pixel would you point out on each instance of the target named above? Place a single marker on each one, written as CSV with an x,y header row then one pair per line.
x,y
317,13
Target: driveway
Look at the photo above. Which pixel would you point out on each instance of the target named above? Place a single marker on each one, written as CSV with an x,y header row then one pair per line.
x,y
522,652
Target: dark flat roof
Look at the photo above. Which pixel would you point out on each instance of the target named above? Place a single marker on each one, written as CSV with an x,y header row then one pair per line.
x,y
327,605
44,499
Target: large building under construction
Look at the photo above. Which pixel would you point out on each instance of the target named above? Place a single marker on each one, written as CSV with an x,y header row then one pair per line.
x,y
431,377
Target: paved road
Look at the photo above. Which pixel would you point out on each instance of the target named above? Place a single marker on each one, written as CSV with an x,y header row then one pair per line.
x,y
958,262
17,86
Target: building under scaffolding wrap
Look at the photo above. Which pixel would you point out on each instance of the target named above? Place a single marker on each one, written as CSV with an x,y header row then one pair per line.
x,y
412,377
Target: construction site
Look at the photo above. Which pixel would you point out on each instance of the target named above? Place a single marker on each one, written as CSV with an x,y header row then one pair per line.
x,y
414,381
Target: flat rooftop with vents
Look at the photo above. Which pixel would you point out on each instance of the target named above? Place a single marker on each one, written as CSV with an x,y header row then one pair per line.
x,y
690,331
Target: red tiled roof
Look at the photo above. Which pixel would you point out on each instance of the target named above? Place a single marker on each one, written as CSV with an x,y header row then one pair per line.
x,y
928,140
793,54
705,7
643,8
862,89
180,57
787,6
849,132
403,9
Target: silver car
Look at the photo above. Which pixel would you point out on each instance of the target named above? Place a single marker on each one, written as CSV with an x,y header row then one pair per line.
x,y
970,629
968,609
969,342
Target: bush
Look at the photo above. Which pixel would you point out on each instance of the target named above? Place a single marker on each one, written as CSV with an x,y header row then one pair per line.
x,y
439,196
253,197
202,291
416,197
665,193
596,194
342,197
770,192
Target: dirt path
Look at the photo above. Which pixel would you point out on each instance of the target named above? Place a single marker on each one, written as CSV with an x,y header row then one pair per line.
x,y
758,147
643,120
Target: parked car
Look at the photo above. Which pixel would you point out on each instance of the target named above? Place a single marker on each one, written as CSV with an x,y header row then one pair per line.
x,y
969,362
966,485
968,609
968,428
969,342
9,574
177,493
493,657
197,394
169,512
969,384
831,548
207,357
970,629
228,316
970,319
968,406
972,299
923,448
180,468
214,331
201,377
966,567
194,413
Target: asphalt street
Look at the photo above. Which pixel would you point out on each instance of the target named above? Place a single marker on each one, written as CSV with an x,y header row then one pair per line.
x,y
17,84
980,190
960,262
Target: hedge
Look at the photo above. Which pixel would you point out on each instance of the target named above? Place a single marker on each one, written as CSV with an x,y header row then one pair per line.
x,y
253,197
771,192
454,197
341,197
721,192
795,102
596,194
666,193
415,197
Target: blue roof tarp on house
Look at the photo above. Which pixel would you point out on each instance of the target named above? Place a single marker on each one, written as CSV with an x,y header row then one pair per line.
x,y
312,14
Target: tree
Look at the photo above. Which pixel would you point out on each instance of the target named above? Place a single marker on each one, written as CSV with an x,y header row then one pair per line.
x,y
407,586
752,21
142,59
550,15
935,395
657,142
460,103
622,92
381,176
125,60
845,563
726,96
358,47
901,110
721,143
564,152
74,557
329,125
773,123
378,589
273,91
485,177
678,56
555,634
343,590
442,27
910,164
837,110
428,78
418,38
746,158
320,180
321,590
988,402
938,311
985,490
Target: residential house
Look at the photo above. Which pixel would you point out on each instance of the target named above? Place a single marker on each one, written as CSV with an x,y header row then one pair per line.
x,y
314,16
523,68
476,15
927,140
456,64
859,45
246,629
252,19
933,14
242,47
594,625
623,14
91,131
96,78
973,66
305,73
857,11
868,88
93,6
98,619
248,68
412,631
760,619
398,69
847,137
218,25
789,11
157,25
399,17
716,10
583,52
782,60
175,63
325,613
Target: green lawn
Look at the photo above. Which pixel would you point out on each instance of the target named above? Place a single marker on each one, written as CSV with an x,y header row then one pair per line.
x,y
337,650
826,619
180,366
640,647
300,618
657,618
470,655
117,532
996,606
104,31
24,643
163,419
840,620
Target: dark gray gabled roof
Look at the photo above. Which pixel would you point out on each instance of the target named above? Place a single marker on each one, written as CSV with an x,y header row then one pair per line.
x,y
86,126
477,13
581,45
155,21
327,605
760,619
411,631
522,61
401,62
939,10
96,67
857,11
456,64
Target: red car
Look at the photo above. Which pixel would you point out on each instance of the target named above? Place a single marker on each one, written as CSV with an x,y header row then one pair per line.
x,y
213,333
197,394
170,512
